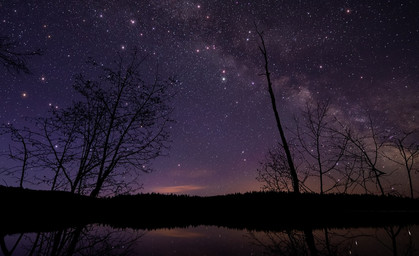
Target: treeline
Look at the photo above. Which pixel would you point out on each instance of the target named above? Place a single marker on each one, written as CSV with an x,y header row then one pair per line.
x,y
267,210
26,210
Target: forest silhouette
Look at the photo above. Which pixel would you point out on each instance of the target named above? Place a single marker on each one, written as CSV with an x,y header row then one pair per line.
x,y
31,210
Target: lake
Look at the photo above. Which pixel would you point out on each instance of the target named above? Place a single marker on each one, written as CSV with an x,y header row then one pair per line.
x,y
96,239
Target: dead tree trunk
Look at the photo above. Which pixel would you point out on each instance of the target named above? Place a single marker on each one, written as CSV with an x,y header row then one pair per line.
x,y
293,171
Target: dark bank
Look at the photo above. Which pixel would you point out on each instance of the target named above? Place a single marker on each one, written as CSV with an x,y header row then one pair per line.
x,y
26,210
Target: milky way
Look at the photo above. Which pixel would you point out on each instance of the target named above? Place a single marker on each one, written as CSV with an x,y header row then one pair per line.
x,y
362,55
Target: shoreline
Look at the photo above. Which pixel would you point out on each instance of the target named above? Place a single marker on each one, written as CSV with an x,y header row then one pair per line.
x,y
34,211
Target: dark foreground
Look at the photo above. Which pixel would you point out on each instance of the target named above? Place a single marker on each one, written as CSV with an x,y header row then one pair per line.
x,y
29,210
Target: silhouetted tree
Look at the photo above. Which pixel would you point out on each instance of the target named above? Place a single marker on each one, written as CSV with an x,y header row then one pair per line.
x,y
284,142
274,172
322,147
14,60
365,148
118,124
408,151
20,153
318,150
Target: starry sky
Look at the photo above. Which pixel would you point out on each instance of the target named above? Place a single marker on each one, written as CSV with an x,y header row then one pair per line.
x,y
362,55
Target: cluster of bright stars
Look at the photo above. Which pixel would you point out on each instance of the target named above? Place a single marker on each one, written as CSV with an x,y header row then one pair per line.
x,y
52,106
207,48
25,95
223,77
133,22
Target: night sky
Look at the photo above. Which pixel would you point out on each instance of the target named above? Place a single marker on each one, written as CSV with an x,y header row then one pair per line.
x,y
363,55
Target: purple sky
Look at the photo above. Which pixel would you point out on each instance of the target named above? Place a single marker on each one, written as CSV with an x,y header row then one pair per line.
x,y
363,55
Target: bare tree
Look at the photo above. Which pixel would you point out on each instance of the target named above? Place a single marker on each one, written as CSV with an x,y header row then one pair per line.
x,y
292,169
408,154
108,137
365,149
273,172
19,153
13,60
322,147
352,173
318,150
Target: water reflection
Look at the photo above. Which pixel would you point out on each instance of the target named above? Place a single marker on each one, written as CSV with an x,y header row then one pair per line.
x,y
212,240
85,240
392,240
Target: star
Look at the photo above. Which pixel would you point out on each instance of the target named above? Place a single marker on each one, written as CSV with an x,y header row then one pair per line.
x,y
366,63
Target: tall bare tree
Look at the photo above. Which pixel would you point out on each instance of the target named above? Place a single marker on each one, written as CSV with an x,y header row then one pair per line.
x,y
292,169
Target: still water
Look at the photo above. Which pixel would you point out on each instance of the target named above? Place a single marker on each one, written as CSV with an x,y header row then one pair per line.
x,y
212,240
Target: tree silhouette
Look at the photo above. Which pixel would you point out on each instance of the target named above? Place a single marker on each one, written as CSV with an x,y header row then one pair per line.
x,y
317,151
274,172
292,169
366,148
19,153
408,154
323,148
106,138
15,62
12,59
